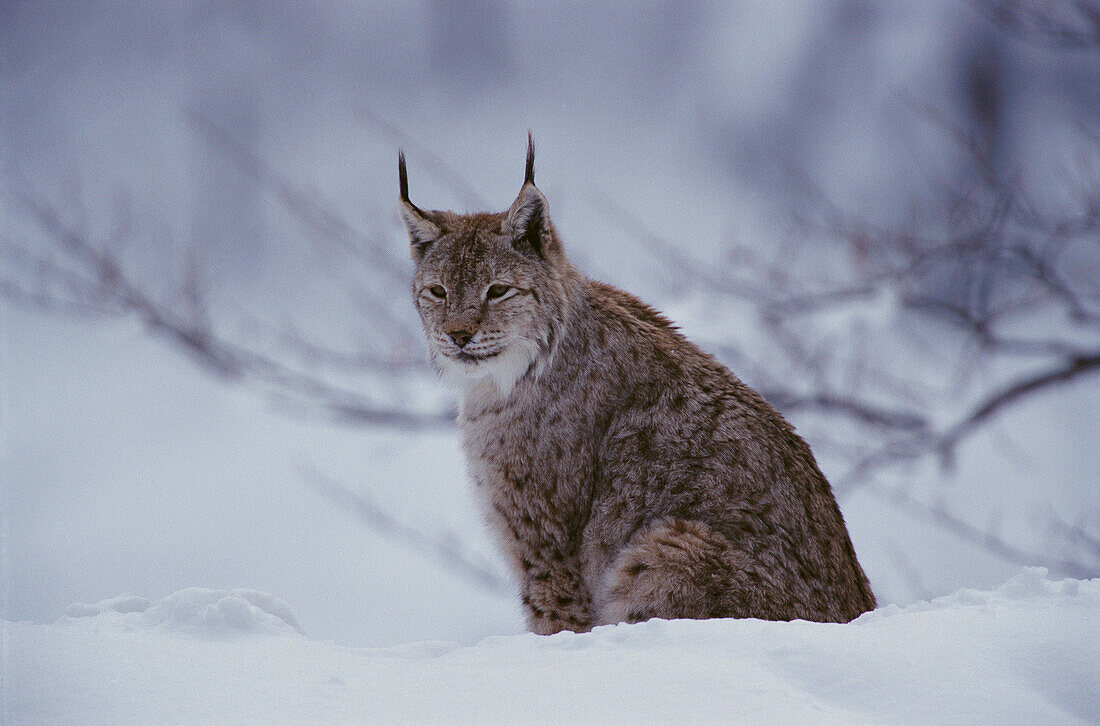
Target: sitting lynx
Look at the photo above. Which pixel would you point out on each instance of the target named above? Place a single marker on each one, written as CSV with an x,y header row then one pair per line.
x,y
628,474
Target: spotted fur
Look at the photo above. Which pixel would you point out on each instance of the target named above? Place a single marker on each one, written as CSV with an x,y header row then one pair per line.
x,y
628,474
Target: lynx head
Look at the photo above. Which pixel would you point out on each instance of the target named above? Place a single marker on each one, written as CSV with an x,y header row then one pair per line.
x,y
489,287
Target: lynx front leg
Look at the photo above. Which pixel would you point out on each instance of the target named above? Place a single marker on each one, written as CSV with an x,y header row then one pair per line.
x,y
555,596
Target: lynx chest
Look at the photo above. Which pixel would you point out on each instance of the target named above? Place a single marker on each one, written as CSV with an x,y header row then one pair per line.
x,y
531,464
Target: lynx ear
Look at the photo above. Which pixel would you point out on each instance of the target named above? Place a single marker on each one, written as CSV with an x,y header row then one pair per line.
x,y
526,220
422,232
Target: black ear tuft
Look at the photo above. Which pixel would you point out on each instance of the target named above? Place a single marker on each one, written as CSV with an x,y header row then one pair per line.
x,y
529,172
403,176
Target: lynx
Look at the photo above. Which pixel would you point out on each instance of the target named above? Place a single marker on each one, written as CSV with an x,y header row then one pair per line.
x,y
627,473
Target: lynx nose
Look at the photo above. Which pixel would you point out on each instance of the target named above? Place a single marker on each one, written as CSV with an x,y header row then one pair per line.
x,y
461,337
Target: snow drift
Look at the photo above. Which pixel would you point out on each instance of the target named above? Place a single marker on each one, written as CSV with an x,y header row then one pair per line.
x,y
1024,653
195,610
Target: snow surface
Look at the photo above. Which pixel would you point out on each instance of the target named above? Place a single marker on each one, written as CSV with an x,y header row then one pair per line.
x,y
1025,653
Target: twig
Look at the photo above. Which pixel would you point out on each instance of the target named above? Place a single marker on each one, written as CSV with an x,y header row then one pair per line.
x,y
987,541
447,550
116,294
431,161
1073,368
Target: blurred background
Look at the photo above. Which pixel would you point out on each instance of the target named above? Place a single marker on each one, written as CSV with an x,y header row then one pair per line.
x,y
883,216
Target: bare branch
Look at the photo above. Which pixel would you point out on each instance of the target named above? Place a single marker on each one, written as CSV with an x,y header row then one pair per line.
x,y
938,515
993,274
1012,394
446,549
990,268
113,292
1077,536
1071,25
848,406
317,213
693,272
291,340
426,157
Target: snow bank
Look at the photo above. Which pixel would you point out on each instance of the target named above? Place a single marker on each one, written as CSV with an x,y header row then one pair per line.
x,y
195,610
1024,653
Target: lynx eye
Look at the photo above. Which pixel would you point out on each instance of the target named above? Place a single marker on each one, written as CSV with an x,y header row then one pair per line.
x,y
495,292
438,292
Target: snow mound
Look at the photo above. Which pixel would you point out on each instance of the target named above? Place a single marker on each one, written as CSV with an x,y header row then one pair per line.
x,y
195,611
1030,584
1025,653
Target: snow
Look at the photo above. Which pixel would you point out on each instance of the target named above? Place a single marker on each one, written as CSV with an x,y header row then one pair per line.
x,y
195,609
1024,653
